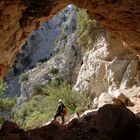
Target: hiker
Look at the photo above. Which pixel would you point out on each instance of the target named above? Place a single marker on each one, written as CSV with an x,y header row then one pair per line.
x,y
61,111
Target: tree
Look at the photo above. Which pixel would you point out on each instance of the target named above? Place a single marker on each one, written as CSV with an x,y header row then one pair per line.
x,y
6,104
3,87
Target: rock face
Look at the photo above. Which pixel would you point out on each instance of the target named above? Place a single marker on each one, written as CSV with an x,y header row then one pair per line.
x,y
107,66
120,120
121,124
41,42
104,67
66,60
12,26
40,47
20,17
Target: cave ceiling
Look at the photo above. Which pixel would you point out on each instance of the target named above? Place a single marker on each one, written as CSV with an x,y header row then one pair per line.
x,y
18,18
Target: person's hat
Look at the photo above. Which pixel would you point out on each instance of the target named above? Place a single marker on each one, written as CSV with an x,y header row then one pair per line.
x,y
60,100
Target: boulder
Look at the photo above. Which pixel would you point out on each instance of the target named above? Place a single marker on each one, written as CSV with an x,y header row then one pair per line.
x,y
138,115
116,122
120,96
89,115
138,95
105,98
138,133
9,127
121,99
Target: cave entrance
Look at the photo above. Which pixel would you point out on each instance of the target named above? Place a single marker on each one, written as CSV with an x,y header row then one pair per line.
x,y
52,54
61,47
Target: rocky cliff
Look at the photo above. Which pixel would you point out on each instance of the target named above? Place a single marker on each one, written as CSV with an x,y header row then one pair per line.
x,y
108,66
41,45
83,53
88,60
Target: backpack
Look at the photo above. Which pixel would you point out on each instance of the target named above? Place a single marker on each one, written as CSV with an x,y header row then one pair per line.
x,y
64,111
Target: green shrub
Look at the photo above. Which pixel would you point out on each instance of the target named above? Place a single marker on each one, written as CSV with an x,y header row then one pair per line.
x,y
2,119
54,70
87,31
47,105
6,104
3,86
24,77
56,81
35,120
61,50
38,103
37,88
73,100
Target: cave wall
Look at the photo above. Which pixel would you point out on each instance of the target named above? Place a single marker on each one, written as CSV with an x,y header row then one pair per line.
x,y
19,17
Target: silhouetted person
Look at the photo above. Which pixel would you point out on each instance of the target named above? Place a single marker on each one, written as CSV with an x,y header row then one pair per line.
x,y
61,111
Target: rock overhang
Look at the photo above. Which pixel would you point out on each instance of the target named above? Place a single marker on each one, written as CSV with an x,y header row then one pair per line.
x,y
19,17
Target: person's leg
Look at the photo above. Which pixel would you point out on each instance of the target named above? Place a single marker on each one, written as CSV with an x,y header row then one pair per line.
x,y
63,121
55,116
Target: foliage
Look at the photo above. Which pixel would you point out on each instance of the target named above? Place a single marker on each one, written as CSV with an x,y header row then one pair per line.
x,y
1,119
54,70
87,30
73,100
2,87
24,77
6,104
56,81
36,119
61,50
39,103
47,105
37,88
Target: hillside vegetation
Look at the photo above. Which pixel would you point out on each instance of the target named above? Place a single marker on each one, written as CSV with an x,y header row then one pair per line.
x,y
87,31
78,33
41,108
6,103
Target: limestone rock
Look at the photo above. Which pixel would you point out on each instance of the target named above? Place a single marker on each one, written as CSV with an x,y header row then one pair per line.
x,y
66,59
121,99
9,127
40,47
115,122
105,67
105,98
89,115
138,95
